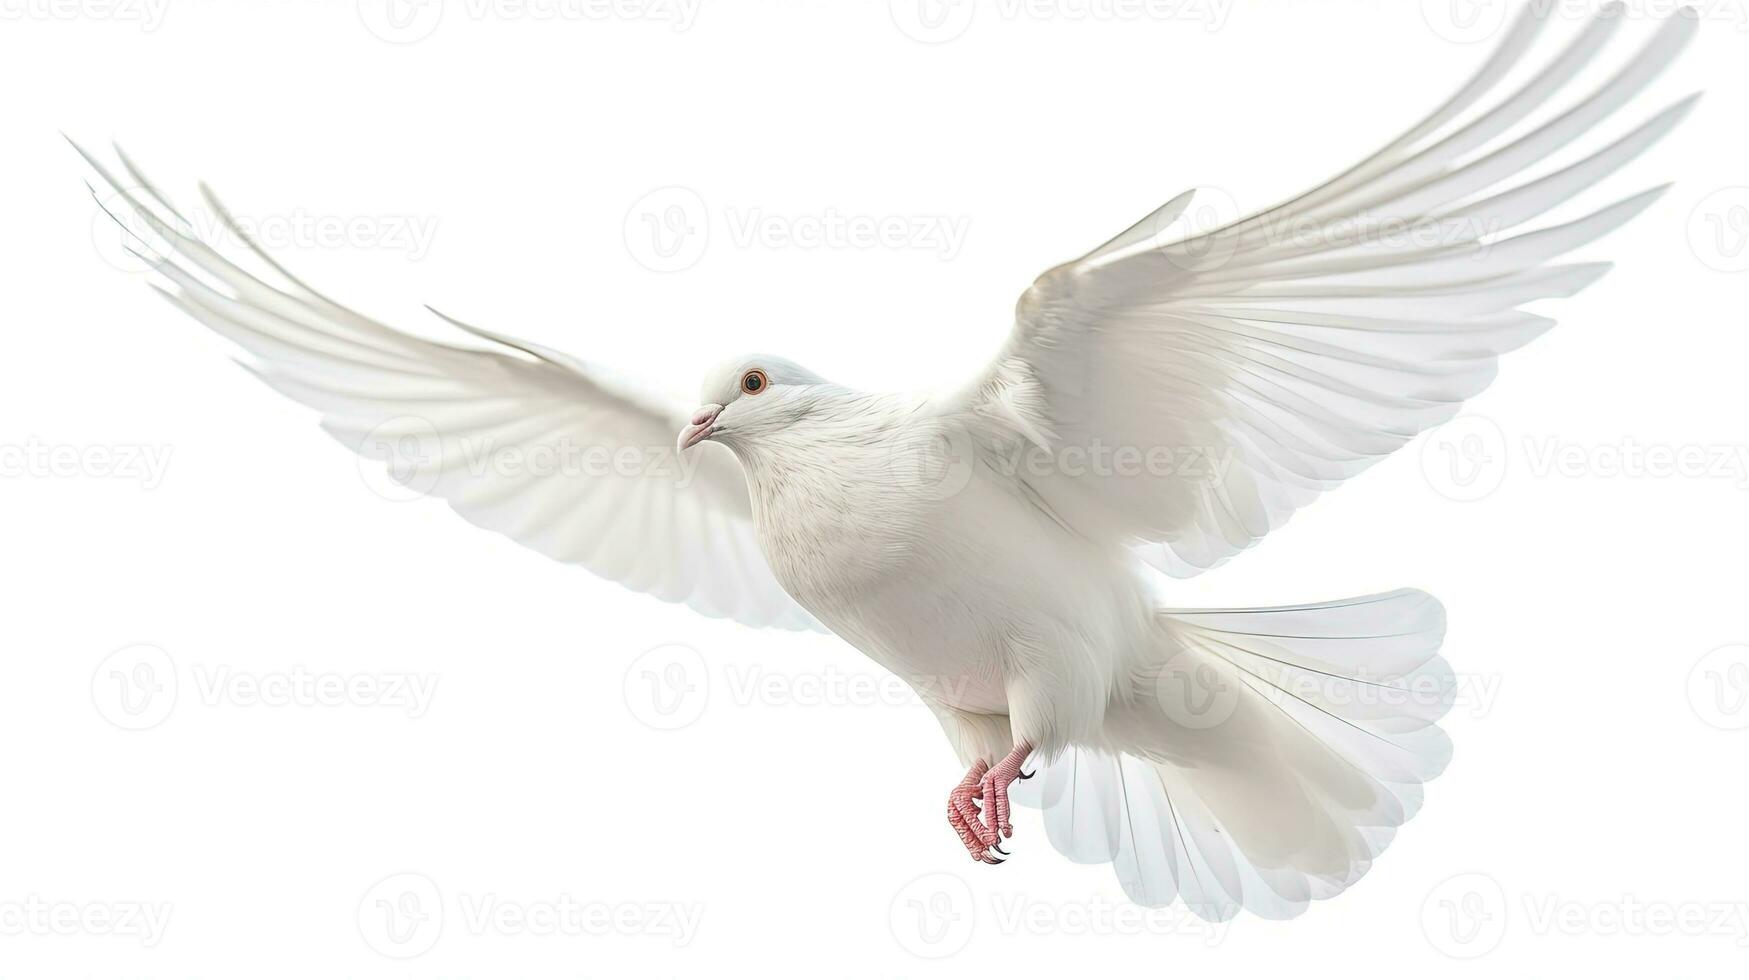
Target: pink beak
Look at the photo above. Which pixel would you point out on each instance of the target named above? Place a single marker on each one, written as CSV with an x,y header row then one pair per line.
x,y
702,427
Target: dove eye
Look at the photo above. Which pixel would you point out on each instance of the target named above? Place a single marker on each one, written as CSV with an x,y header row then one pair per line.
x,y
754,381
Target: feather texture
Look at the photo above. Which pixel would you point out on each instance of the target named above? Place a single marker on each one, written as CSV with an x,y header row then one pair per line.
x,y
1302,344
562,456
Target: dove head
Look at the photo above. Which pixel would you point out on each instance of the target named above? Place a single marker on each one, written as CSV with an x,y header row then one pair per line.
x,y
750,397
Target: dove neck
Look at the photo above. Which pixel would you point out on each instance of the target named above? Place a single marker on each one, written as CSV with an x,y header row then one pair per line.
x,y
835,435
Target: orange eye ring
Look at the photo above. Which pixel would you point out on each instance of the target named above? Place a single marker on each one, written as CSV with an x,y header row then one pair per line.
x,y
754,382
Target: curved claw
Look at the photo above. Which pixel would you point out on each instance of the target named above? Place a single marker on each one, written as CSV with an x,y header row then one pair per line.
x,y
998,849
991,860
1026,775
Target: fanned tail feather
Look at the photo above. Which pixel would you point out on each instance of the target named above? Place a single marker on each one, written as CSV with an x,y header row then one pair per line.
x,y
1264,759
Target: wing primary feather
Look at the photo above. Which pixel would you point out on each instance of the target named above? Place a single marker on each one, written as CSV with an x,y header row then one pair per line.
x,y
366,378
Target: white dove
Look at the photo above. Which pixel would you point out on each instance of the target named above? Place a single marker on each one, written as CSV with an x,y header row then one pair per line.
x,y
1158,403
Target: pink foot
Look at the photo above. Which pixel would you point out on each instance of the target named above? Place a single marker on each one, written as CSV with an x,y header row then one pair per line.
x,y
982,830
963,815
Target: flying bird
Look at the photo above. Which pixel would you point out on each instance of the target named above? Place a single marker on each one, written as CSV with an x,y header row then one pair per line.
x,y
1161,403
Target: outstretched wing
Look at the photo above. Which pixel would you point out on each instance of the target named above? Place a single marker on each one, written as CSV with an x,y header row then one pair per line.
x,y
1227,378
560,455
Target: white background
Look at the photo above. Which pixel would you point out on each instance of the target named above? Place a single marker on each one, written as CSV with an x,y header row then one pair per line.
x,y
496,163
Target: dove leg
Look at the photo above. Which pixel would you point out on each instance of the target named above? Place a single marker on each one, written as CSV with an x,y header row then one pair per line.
x,y
993,789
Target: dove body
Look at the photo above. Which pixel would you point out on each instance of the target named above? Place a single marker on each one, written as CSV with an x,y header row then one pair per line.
x,y
935,566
